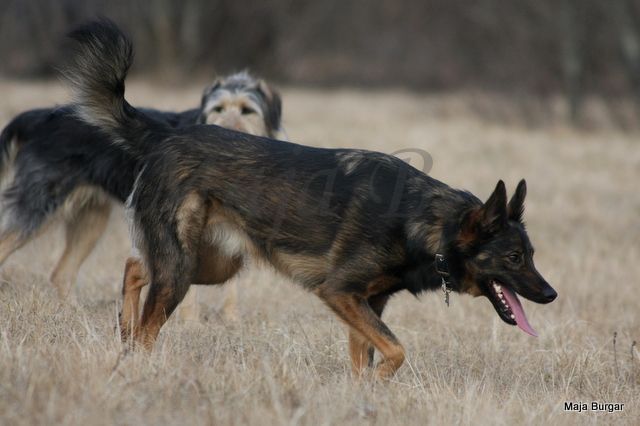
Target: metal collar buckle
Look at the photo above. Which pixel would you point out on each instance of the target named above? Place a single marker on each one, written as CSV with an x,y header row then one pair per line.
x,y
443,270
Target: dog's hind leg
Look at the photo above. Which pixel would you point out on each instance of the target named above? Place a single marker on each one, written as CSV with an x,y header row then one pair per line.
x,y
354,310
10,241
84,227
170,278
189,309
360,349
214,267
173,262
229,308
19,227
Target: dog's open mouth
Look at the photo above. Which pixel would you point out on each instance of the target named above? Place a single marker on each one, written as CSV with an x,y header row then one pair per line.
x,y
509,307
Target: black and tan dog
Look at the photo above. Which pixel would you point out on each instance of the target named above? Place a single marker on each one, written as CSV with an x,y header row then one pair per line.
x,y
238,102
56,166
351,226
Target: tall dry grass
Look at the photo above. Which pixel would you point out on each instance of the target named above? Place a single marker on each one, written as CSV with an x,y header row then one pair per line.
x,y
286,361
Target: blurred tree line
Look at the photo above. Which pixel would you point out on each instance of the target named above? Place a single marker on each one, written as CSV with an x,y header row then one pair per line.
x,y
532,46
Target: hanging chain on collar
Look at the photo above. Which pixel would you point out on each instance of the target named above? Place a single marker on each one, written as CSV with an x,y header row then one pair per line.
x,y
443,270
446,289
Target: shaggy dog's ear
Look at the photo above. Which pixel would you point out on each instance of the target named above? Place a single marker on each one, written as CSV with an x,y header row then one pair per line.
x,y
274,106
202,119
516,204
209,90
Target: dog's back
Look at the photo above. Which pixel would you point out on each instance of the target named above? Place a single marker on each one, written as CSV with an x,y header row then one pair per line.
x,y
52,164
16,132
50,149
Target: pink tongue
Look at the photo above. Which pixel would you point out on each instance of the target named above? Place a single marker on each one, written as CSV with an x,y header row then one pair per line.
x,y
518,312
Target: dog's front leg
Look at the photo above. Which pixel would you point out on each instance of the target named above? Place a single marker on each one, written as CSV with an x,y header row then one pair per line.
x,y
170,276
360,349
161,301
367,325
135,277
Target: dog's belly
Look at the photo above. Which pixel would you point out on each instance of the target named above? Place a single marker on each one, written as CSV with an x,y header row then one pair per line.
x,y
227,238
214,267
221,254
225,246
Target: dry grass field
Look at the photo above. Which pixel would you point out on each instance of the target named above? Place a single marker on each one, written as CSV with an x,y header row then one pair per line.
x,y
286,360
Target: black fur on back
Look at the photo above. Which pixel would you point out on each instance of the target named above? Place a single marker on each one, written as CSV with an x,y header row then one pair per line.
x,y
57,153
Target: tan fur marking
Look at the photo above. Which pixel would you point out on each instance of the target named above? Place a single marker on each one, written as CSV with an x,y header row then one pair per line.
x,y
84,227
8,172
224,229
468,233
355,311
433,237
154,315
482,256
214,267
189,218
82,197
380,285
301,267
135,277
358,351
469,284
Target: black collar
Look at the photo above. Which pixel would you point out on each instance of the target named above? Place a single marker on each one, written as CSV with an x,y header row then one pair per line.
x,y
442,267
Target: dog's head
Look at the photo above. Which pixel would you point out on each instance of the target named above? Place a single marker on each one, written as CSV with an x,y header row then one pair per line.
x,y
496,257
241,102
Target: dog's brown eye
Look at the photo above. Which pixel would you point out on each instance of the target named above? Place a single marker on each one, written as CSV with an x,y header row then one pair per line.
x,y
515,257
247,110
218,109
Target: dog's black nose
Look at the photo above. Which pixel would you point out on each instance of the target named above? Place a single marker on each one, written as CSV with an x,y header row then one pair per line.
x,y
549,294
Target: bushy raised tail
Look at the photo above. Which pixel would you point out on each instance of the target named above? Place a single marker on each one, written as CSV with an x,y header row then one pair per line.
x,y
101,55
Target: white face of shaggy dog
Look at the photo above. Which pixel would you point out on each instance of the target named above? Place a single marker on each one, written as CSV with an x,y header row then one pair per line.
x,y
237,111
240,102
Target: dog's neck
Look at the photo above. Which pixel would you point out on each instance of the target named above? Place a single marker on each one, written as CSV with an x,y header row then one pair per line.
x,y
435,233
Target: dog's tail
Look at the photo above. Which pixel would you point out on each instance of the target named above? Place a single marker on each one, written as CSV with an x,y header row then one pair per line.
x,y
101,55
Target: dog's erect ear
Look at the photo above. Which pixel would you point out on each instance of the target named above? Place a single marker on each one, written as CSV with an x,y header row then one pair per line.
x,y
494,211
209,90
274,106
486,220
202,118
516,204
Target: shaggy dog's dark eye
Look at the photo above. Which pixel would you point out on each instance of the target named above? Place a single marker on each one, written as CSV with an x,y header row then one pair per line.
x,y
218,109
246,110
